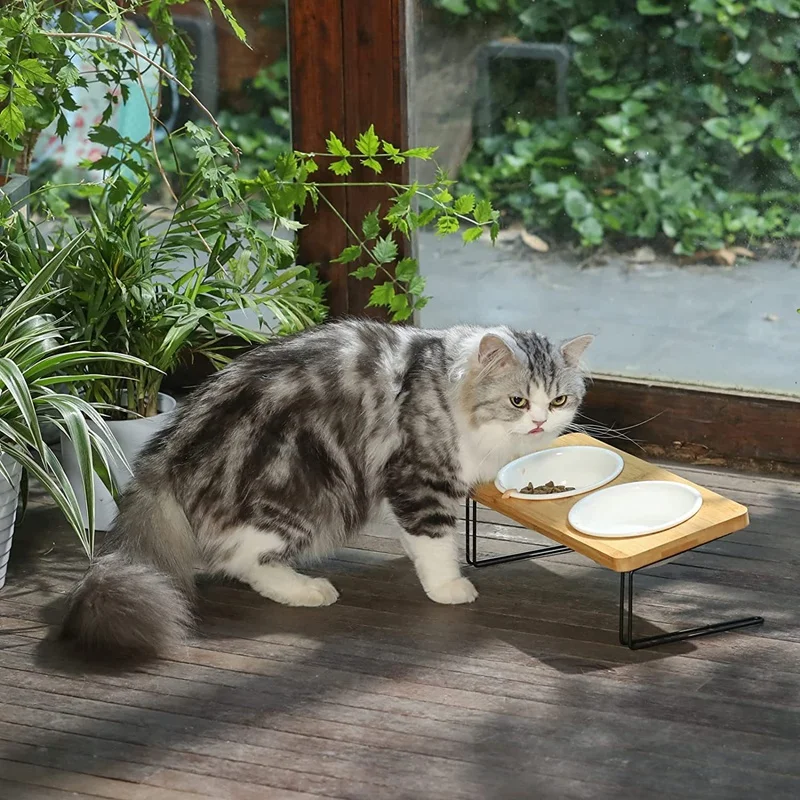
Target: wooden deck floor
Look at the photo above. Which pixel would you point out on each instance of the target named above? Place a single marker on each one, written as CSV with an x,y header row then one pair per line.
x,y
526,694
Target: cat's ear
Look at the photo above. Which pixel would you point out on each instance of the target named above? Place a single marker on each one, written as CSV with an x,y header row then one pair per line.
x,y
494,352
573,349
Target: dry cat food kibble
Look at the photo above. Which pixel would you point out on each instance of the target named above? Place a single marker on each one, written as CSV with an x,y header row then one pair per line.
x,y
546,488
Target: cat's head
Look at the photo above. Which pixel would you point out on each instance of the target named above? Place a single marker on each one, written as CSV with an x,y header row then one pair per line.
x,y
524,384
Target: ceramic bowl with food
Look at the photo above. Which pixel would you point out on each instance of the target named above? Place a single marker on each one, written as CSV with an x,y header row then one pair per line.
x,y
571,471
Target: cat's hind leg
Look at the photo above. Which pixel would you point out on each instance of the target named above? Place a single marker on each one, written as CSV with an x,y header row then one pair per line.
x,y
256,557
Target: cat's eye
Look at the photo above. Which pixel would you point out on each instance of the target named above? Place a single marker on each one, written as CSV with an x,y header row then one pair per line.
x,y
559,401
518,402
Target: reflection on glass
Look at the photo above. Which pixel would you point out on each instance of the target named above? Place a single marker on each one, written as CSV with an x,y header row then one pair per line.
x,y
244,87
646,160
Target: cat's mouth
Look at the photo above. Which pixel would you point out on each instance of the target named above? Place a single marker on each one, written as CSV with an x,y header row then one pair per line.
x,y
539,429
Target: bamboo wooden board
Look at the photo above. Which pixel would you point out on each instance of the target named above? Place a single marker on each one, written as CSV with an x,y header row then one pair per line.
x,y
718,516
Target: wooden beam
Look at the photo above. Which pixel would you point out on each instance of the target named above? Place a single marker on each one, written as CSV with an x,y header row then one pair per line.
x,y
316,59
348,71
699,425
375,81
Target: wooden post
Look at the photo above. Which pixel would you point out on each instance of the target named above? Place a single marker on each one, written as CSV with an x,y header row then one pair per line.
x,y
347,62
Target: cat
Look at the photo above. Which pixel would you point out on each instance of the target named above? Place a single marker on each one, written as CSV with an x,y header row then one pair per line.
x,y
288,453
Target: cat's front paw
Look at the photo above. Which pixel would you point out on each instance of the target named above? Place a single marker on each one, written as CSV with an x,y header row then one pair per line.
x,y
453,592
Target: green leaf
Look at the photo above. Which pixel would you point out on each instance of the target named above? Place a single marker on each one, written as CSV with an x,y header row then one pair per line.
x,y
591,231
464,204
382,295
649,8
367,271
471,234
374,165
416,286
610,92
483,211
580,34
446,225
406,269
782,149
714,97
106,136
549,191
342,167
576,205
349,254
368,143
230,19
68,75
371,225
385,250
443,197
619,125
394,153
30,71
336,146
458,7
718,127
399,306
11,121
425,153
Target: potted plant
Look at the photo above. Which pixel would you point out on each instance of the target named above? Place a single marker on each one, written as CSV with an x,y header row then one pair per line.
x,y
161,287
35,362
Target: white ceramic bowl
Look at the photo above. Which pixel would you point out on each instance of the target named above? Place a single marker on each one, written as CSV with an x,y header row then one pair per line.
x,y
635,509
582,467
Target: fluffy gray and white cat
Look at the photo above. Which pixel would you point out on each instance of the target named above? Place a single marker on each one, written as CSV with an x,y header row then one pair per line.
x,y
290,451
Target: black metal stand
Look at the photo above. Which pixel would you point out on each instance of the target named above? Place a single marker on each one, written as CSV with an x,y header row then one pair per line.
x,y
472,544
626,622
625,591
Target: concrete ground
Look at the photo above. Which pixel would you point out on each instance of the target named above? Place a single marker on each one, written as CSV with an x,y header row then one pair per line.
x,y
736,328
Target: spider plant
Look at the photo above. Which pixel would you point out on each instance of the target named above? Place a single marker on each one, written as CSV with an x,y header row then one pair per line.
x,y
36,368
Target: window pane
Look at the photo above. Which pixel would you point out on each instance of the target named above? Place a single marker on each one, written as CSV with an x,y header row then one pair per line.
x,y
645,158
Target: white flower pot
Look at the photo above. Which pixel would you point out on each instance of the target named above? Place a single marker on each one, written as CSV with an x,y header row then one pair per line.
x,y
9,498
131,435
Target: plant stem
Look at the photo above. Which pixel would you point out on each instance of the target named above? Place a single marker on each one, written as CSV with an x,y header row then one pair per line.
x,y
361,242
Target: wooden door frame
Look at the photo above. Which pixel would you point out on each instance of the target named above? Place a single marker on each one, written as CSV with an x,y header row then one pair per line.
x,y
348,70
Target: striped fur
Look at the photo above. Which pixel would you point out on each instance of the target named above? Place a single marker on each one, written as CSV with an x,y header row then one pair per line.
x,y
289,452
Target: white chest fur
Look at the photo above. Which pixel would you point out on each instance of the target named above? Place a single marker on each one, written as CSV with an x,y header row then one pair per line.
x,y
484,451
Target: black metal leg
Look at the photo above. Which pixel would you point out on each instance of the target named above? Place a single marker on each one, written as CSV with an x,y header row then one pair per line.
x,y
626,622
471,529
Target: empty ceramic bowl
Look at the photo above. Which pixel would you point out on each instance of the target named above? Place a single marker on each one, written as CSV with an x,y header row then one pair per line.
x,y
582,468
635,509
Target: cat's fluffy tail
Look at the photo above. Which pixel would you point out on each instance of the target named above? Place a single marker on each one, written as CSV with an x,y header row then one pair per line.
x,y
134,602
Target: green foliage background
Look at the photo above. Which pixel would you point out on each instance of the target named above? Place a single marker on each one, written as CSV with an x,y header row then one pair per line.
x,y
683,121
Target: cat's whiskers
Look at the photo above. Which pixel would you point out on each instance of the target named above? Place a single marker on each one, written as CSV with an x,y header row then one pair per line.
x,y
602,431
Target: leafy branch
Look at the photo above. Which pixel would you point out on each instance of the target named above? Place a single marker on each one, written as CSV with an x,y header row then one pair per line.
x,y
104,37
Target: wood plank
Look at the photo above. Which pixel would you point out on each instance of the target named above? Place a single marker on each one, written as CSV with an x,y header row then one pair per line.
x,y
64,780
316,59
167,784
189,765
16,790
385,694
717,517
744,428
551,755
376,80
